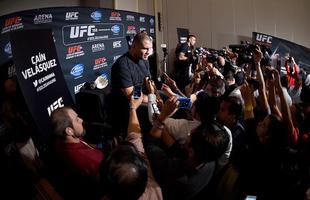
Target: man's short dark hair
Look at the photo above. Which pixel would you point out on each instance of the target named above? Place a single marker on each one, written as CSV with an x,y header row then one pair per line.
x,y
60,120
235,106
209,141
206,107
139,37
124,173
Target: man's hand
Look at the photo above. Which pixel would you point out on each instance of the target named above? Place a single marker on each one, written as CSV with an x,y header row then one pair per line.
x,y
167,90
151,88
170,82
258,55
135,103
169,108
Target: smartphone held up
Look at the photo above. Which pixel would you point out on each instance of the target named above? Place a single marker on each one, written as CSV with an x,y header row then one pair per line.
x,y
137,92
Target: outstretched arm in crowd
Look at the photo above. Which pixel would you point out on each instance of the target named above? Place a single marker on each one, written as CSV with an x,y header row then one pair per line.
x,y
258,55
172,84
272,97
133,124
152,190
158,130
154,100
286,113
247,96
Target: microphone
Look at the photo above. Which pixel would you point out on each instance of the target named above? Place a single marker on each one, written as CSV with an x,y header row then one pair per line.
x,y
164,48
163,45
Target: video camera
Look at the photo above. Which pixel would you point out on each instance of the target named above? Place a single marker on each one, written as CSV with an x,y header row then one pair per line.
x,y
245,53
210,54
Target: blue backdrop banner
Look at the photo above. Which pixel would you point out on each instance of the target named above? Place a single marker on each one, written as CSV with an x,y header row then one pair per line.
x,y
87,40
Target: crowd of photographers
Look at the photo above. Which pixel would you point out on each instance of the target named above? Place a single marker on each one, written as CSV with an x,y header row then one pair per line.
x,y
266,107
226,124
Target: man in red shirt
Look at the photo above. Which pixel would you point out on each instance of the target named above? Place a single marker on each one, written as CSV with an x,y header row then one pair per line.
x,y
68,144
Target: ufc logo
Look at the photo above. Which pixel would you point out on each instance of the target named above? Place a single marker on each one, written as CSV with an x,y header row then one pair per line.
x,y
57,104
100,60
264,38
74,49
72,15
80,31
11,21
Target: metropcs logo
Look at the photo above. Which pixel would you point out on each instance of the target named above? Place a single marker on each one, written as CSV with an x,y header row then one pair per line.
x,y
43,18
59,103
72,16
264,38
117,44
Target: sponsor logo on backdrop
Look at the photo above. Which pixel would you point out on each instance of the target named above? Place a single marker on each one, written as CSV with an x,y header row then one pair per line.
x,y
152,21
43,18
76,34
96,15
263,39
78,87
40,64
100,63
97,47
59,103
72,16
75,51
131,30
11,71
77,71
82,31
142,19
8,49
116,57
152,30
115,16
117,44
130,18
115,29
42,83
142,29
11,24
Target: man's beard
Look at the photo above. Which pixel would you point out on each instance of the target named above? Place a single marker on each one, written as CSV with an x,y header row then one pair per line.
x,y
80,135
